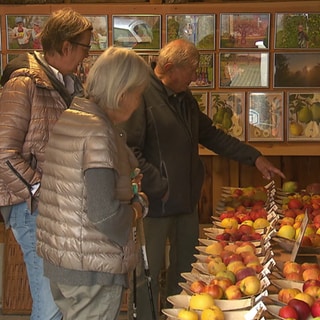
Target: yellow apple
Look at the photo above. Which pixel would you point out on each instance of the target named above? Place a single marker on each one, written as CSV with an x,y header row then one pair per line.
x,y
201,301
229,223
305,297
250,285
286,294
287,231
234,266
216,265
185,314
214,313
214,248
261,223
233,292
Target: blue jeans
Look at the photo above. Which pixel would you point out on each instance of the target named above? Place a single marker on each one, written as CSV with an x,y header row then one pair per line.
x,y
23,225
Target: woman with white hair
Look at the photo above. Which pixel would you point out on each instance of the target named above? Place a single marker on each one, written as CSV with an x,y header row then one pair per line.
x,y
86,212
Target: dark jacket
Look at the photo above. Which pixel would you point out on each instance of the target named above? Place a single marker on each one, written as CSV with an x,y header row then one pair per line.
x,y
165,139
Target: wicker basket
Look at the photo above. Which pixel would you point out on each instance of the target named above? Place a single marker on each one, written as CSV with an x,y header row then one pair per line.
x,y
16,293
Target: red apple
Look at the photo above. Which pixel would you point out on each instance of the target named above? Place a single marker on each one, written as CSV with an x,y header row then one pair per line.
x,y
312,273
295,204
231,258
301,307
197,286
214,290
246,229
310,283
315,309
288,312
224,283
244,272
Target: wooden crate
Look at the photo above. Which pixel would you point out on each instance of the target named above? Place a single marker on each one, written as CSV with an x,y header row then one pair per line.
x,y
16,293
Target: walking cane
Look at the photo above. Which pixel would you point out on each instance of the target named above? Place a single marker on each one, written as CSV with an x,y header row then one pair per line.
x,y
142,240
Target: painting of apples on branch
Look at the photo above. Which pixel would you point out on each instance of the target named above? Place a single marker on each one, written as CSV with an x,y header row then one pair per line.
x,y
303,116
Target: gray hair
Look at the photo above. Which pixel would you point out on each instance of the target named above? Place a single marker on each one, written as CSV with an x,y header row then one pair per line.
x,y
179,52
116,71
63,25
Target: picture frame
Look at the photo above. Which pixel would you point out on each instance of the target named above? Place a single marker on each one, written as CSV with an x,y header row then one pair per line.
x,y
243,69
199,29
303,114
99,38
227,111
23,31
205,71
202,99
265,116
150,58
296,70
297,30
85,66
138,32
244,30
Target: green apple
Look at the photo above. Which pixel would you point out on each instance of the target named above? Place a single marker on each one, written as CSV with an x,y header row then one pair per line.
x,y
290,186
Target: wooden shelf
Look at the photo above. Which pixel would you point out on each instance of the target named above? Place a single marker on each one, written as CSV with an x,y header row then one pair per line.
x,y
279,149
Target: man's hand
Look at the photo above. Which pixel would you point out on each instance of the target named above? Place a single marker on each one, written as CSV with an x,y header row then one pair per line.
x,y
267,169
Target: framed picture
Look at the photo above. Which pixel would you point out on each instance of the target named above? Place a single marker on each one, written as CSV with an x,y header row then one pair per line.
x,y
204,72
265,116
244,69
244,30
23,31
84,67
297,70
227,111
303,112
199,29
297,30
139,32
99,38
202,99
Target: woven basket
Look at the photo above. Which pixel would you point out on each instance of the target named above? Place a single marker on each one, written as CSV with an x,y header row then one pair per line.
x,y
16,293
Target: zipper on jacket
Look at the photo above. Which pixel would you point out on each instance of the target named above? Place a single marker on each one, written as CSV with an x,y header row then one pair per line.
x,y
28,185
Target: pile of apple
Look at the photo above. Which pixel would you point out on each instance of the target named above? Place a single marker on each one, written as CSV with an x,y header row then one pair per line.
x,y
247,230
293,213
301,303
201,307
235,268
247,197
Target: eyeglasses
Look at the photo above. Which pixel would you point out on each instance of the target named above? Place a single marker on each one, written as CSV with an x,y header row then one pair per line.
x,y
87,46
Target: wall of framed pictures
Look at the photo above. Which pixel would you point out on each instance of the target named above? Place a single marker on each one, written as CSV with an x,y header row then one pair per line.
x,y
259,62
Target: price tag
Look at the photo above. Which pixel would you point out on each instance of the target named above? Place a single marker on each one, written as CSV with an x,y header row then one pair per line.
x,y
297,243
255,312
261,295
265,282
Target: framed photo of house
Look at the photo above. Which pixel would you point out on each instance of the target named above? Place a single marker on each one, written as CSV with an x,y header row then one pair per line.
x,y
244,69
297,30
205,78
23,31
244,30
303,114
227,111
265,116
138,32
99,38
297,70
202,99
199,29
